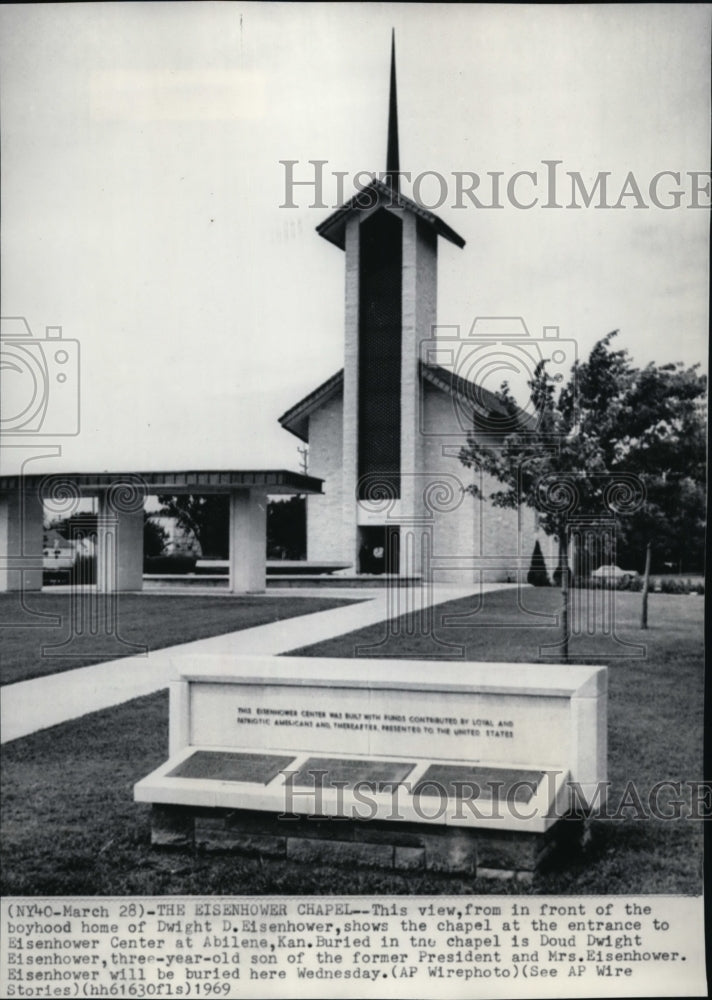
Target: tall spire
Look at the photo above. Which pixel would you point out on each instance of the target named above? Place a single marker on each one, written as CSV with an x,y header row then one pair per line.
x,y
392,156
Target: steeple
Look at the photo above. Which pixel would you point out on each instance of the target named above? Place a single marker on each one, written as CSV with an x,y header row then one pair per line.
x,y
392,156
384,192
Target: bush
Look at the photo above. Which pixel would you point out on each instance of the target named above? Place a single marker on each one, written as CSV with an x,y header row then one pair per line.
x,y
633,583
678,585
176,563
537,575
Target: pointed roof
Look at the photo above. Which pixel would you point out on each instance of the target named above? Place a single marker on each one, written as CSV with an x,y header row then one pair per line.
x,y
385,193
478,399
296,418
377,194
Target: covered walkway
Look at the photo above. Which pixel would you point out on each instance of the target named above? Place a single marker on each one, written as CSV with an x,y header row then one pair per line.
x,y
121,497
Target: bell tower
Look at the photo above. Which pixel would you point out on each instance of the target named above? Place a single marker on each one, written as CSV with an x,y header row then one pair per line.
x,y
390,244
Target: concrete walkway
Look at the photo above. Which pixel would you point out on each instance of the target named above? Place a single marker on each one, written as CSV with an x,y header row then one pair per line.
x,y
36,704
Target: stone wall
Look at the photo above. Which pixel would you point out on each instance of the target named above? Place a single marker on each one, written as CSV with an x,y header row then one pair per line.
x,y
372,844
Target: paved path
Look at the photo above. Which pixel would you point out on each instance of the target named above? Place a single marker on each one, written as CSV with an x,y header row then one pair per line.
x,y
28,706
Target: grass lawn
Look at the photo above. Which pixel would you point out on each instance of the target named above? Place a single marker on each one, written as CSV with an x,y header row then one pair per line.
x,y
74,624
70,825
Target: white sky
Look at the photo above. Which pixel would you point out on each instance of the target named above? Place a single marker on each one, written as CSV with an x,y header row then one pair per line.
x,y
141,188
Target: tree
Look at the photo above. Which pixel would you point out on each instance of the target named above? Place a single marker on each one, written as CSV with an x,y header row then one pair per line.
x,y
287,528
207,516
154,537
614,439
84,523
665,446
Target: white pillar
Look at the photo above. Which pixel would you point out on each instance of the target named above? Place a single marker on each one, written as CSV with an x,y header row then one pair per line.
x,y
21,539
348,548
119,555
419,302
248,541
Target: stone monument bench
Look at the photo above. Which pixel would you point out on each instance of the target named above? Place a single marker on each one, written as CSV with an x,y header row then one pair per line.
x,y
406,764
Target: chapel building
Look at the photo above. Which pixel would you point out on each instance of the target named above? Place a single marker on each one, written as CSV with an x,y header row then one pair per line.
x,y
385,432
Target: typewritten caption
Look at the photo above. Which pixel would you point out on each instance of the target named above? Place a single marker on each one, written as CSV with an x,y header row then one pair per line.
x,y
424,946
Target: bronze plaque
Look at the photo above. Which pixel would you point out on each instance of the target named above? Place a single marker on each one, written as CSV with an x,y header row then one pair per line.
x,y
475,782
339,772
220,765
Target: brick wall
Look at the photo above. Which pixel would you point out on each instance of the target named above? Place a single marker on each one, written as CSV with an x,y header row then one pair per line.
x,y
324,513
470,535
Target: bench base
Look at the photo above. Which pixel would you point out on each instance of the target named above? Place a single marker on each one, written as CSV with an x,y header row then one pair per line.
x,y
371,843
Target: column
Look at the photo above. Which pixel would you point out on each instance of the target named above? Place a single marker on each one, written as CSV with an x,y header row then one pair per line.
x,y
348,550
419,299
119,556
21,539
248,541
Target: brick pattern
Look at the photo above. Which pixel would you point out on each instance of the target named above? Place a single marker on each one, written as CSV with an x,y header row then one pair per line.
x,y
476,528
349,533
468,526
325,513
373,843
496,538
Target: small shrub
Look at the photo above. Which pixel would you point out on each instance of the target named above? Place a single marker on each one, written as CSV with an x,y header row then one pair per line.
x,y
177,563
537,575
674,585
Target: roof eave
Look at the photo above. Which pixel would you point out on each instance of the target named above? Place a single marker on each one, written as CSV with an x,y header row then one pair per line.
x,y
296,418
333,228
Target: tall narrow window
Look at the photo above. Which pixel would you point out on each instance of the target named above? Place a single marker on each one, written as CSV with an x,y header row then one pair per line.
x,y
379,382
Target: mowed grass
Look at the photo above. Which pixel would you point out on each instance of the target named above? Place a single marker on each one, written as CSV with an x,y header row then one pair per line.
x,y
70,825
57,632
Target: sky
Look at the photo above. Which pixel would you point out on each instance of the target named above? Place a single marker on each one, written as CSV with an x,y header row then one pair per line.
x,y
143,194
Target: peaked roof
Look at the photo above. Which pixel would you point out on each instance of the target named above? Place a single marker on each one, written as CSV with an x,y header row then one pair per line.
x,y
377,193
385,193
296,419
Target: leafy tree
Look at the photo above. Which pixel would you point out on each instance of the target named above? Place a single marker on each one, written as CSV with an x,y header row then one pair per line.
x,y
154,537
287,528
207,516
615,438
84,523
664,444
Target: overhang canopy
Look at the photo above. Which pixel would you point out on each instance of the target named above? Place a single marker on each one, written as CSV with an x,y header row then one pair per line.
x,y
204,481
